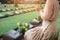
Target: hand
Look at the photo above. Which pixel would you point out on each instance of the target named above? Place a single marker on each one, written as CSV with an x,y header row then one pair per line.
x,y
38,8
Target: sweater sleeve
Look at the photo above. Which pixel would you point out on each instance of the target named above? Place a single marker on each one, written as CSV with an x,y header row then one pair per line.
x,y
47,11
56,9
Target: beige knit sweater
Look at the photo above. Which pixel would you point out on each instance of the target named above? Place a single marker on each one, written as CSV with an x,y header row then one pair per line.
x,y
49,29
51,9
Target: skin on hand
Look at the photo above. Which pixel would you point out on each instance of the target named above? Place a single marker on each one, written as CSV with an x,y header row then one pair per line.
x,y
38,8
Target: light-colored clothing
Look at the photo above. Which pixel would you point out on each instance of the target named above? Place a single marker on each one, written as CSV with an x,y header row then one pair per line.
x,y
50,12
49,29
40,33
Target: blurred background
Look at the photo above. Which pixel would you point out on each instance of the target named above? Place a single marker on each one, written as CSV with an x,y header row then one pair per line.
x,y
16,12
